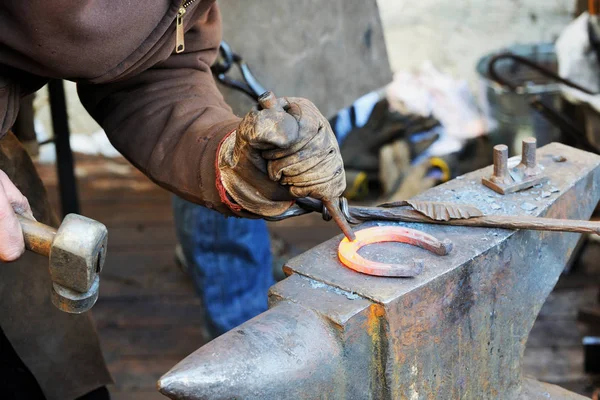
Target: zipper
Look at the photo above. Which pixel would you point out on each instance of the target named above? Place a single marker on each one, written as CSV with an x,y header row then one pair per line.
x,y
179,31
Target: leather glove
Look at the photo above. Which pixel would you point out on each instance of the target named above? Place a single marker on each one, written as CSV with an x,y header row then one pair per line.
x,y
278,155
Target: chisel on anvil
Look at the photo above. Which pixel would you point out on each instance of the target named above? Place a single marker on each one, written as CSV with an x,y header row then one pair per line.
x,y
267,101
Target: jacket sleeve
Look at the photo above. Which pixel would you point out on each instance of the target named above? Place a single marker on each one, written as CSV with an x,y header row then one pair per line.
x,y
14,85
9,104
169,120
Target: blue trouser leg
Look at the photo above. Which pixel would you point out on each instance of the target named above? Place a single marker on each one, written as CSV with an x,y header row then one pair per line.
x,y
229,261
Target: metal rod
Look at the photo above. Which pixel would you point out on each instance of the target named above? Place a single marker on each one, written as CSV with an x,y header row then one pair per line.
x,y
268,101
500,162
495,76
528,155
339,218
490,221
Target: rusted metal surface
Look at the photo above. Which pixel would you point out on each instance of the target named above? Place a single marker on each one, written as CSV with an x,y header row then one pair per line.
x,y
444,211
348,251
526,174
77,253
457,215
439,211
457,330
485,221
268,100
37,236
77,256
500,175
528,159
72,301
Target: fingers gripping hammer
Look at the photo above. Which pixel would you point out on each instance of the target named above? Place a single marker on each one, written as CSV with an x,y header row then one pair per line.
x,y
76,251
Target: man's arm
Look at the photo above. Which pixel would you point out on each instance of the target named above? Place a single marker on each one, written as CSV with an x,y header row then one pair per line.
x,y
169,120
172,123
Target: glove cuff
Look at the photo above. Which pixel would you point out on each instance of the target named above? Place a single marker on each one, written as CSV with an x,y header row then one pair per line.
x,y
220,187
238,193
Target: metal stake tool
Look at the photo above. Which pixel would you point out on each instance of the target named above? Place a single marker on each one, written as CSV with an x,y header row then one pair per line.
x,y
268,101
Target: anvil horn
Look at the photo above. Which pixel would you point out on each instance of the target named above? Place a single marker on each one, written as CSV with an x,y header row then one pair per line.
x,y
278,346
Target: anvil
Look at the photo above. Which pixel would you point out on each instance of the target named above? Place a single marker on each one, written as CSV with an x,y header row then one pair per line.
x,y
456,331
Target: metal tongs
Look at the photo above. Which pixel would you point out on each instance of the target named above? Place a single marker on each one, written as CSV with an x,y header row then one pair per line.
x,y
439,213
222,67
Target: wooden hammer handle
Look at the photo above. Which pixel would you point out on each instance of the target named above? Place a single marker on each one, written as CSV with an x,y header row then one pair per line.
x,y
38,237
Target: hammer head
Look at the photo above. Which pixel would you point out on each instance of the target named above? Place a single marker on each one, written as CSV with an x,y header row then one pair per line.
x,y
76,258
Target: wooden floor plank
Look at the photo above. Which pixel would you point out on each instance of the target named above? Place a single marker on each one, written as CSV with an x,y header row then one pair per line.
x,y
565,303
129,214
176,341
116,394
150,312
550,333
142,238
554,365
140,373
142,273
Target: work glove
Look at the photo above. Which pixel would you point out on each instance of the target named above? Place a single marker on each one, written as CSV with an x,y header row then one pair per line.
x,y
12,202
277,155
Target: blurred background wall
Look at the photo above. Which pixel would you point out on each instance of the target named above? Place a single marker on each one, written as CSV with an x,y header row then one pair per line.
x,y
455,34
452,34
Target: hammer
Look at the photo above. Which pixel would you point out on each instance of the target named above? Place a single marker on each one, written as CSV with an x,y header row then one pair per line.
x,y
268,100
76,251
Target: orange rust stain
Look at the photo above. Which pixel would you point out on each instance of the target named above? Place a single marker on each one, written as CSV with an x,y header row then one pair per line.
x,y
374,329
376,312
372,324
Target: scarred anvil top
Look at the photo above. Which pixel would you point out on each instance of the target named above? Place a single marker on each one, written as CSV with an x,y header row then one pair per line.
x,y
321,263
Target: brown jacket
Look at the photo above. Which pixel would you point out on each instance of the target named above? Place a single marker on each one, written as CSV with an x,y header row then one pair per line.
x,y
160,109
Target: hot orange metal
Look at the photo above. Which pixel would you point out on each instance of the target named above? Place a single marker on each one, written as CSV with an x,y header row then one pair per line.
x,y
348,251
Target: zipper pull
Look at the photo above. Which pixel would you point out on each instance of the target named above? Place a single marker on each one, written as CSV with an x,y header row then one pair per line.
x,y
179,39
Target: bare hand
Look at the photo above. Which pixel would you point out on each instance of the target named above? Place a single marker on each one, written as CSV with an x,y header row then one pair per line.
x,y
12,202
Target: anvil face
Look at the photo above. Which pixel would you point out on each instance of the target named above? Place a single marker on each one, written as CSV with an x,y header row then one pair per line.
x,y
456,331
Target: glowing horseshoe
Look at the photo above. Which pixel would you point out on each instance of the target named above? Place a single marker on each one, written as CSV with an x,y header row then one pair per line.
x,y
348,251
